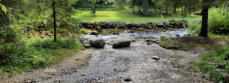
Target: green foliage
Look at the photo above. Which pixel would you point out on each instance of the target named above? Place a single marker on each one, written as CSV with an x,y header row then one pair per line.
x,y
98,3
69,43
3,8
194,28
205,67
40,53
17,53
33,58
219,20
216,76
10,44
215,64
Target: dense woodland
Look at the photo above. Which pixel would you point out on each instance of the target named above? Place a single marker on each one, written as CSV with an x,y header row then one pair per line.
x,y
38,33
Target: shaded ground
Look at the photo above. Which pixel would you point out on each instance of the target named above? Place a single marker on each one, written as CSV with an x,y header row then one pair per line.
x,y
198,44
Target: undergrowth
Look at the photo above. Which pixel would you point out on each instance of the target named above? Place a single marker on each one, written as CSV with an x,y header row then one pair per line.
x,y
39,53
216,64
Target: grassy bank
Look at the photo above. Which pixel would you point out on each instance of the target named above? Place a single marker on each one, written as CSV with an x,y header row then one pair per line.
x,y
195,43
216,64
123,16
40,53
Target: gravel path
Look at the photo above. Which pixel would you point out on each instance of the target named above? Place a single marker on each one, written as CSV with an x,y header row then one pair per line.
x,y
133,65
139,63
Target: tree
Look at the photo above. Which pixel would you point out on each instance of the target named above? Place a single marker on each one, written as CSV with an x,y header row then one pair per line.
x,y
204,26
93,6
145,7
206,4
54,18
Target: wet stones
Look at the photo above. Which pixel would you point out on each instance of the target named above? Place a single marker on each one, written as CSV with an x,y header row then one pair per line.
x,y
151,41
155,58
85,42
97,43
129,25
127,80
91,32
121,43
94,42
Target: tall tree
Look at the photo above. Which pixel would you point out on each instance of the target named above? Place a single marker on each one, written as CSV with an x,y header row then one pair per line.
x,y
54,18
145,7
204,26
206,4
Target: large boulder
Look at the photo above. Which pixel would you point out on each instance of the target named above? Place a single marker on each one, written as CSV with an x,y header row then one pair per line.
x,y
97,43
121,43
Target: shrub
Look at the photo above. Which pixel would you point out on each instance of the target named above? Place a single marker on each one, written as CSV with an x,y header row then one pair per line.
x,y
219,20
10,44
68,43
215,64
194,28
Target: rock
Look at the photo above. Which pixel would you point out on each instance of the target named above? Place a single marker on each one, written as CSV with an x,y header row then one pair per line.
x,y
85,42
121,43
177,35
30,81
130,25
97,43
127,80
94,33
151,41
155,57
115,33
87,45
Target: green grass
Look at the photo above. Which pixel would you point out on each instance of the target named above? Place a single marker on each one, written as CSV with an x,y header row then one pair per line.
x,y
216,64
40,53
195,43
122,15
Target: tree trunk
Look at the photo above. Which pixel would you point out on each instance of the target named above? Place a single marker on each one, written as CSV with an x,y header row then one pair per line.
x,y
166,10
93,9
175,9
204,27
54,19
145,6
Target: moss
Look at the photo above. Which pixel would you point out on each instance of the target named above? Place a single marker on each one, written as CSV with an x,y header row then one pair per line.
x,y
193,43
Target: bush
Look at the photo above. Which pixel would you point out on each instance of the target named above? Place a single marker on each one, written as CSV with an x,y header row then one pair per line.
x,y
69,43
40,53
216,64
194,28
10,44
219,20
